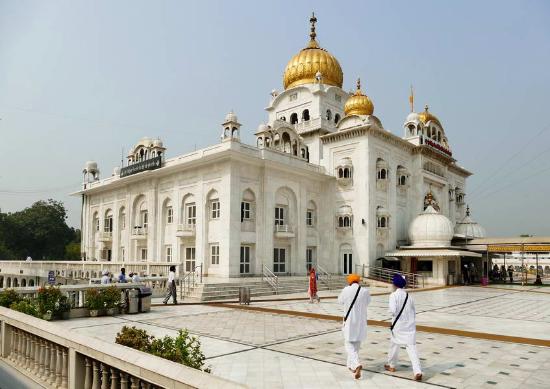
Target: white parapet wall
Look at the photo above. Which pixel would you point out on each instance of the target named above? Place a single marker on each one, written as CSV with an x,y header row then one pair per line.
x,y
56,358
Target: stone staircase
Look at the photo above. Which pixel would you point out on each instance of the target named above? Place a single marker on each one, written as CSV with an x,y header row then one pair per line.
x,y
230,290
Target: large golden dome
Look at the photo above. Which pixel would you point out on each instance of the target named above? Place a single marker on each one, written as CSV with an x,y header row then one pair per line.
x,y
427,116
358,103
303,67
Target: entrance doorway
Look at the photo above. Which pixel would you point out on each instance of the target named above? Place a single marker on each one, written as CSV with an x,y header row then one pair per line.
x,y
189,258
279,260
244,267
347,263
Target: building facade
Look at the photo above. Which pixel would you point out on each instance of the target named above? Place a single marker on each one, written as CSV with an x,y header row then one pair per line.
x,y
325,185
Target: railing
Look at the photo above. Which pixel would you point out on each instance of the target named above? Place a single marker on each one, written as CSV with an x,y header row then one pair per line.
x,y
283,228
57,358
324,276
139,231
190,228
106,236
189,280
81,269
384,274
270,278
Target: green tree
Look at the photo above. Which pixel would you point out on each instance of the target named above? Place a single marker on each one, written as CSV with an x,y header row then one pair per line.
x,y
40,231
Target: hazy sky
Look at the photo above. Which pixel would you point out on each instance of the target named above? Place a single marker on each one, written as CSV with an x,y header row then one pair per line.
x,y
80,80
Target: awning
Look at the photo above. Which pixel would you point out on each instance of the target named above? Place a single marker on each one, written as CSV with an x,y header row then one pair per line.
x,y
432,253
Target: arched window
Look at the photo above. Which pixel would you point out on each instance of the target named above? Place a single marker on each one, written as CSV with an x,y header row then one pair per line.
x,y
294,118
403,180
336,118
305,115
329,114
340,173
411,130
382,174
283,118
226,133
381,169
347,172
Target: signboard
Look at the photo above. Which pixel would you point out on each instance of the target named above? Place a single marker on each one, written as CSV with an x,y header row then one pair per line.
x,y
509,248
138,167
51,277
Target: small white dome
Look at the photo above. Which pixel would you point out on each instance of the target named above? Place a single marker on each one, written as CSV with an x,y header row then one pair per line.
x,y
145,141
90,166
346,161
263,127
373,121
412,117
431,229
469,228
157,143
231,117
345,210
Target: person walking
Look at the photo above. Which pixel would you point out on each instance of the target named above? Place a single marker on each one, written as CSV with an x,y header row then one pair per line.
x,y
465,275
171,286
403,328
511,273
105,279
312,289
122,275
355,300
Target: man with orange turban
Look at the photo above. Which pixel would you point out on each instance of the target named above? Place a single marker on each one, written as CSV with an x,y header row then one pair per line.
x,y
355,299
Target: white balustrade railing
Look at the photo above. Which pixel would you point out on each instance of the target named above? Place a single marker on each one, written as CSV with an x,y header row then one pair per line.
x,y
324,276
283,228
57,358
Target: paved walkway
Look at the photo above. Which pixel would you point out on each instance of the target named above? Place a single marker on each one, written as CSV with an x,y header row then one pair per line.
x,y
275,349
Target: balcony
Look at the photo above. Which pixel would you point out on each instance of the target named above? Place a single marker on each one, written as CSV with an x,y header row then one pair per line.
x,y
106,236
139,233
283,231
186,230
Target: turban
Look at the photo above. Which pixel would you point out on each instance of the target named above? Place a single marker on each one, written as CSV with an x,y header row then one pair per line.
x,y
105,272
353,278
399,281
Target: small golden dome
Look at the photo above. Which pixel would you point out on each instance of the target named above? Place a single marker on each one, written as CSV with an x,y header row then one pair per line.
x,y
427,116
303,67
358,103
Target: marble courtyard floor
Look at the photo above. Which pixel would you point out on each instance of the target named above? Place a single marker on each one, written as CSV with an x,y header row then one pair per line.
x,y
470,337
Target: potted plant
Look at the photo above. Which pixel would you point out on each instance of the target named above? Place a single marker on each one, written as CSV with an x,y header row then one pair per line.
x,y
94,301
111,299
64,307
48,301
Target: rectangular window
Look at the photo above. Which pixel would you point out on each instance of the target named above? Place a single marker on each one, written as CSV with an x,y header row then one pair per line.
x,y
191,214
168,253
245,211
189,258
108,224
144,219
245,260
310,257
122,221
122,254
425,267
279,216
279,259
215,209
310,218
169,215
215,254
144,254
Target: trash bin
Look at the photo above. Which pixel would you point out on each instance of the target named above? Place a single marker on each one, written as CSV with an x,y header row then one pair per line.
x,y
244,295
133,301
450,279
144,294
484,281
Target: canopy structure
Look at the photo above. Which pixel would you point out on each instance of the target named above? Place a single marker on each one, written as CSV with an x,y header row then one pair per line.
x,y
432,253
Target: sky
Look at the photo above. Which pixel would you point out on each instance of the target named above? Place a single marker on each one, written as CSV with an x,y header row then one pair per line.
x,y
84,80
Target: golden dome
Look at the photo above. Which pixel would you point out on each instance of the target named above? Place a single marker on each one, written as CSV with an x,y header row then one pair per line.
x,y
303,67
427,116
358,103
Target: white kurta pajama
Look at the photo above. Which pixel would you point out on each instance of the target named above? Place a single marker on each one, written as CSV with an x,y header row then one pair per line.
x,y
355,329
404,332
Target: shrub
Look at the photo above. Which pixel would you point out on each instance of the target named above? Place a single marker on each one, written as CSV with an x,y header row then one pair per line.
x,y
64,305
26,306
94,299
184,348
48,299
8,297
111,296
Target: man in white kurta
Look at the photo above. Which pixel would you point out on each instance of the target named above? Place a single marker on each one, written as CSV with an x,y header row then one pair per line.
x,y
404,331
355,327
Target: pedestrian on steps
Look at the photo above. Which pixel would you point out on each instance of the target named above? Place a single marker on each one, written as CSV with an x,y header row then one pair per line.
x,y
312,289
171,286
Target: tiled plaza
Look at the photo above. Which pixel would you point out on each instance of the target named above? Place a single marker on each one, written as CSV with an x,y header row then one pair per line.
x,y
294,344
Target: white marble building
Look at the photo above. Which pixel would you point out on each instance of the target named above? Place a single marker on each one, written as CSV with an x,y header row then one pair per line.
x,y
325,184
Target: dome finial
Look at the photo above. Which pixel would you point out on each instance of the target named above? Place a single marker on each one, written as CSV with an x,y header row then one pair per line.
x,y
426,108
312,21
358,92
467,210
